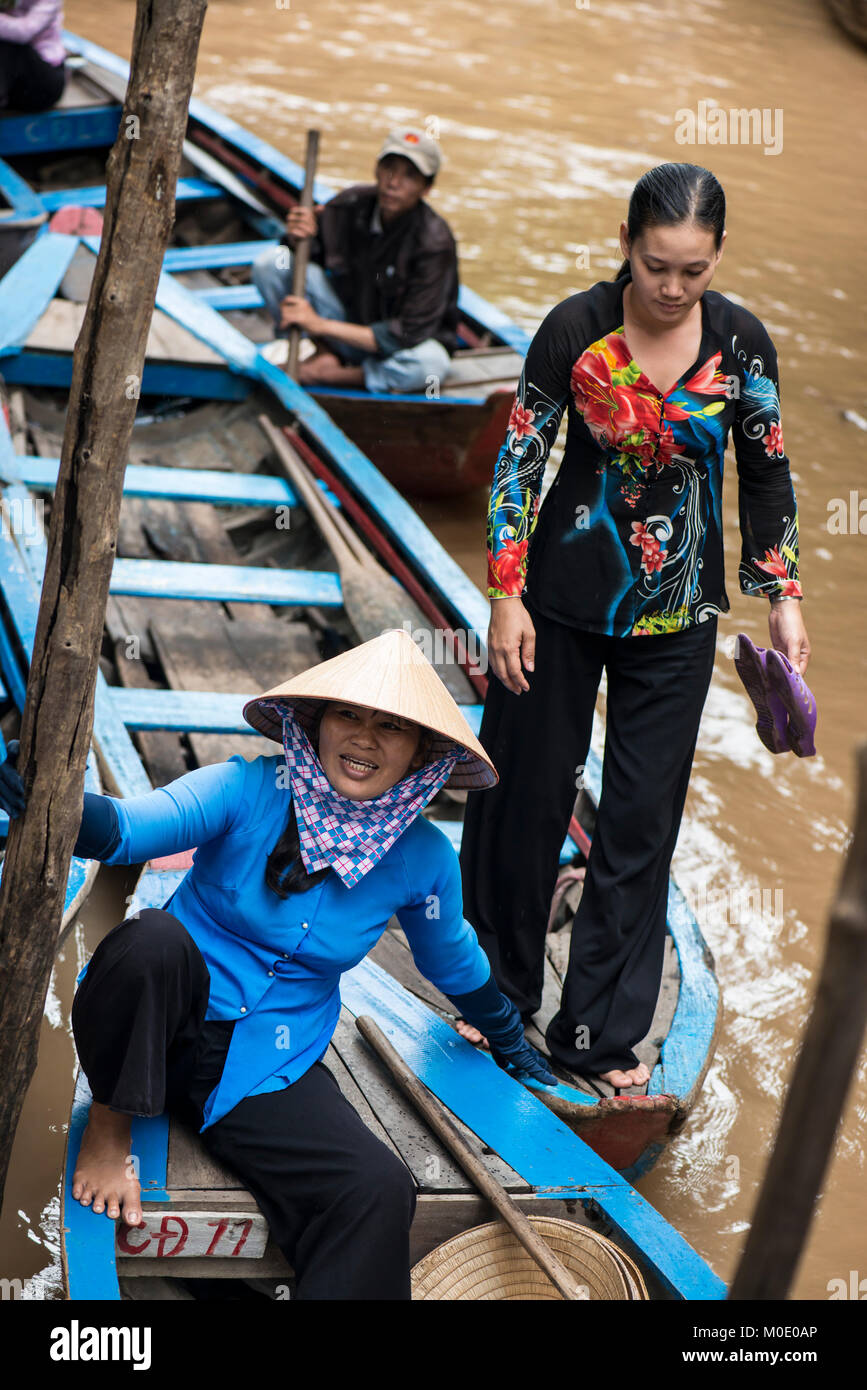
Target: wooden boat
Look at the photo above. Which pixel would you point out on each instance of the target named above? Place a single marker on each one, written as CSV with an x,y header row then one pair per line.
x,y
233,198
210,602
628,1130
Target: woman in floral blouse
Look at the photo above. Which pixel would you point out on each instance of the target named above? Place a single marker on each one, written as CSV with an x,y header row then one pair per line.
x,y
654,370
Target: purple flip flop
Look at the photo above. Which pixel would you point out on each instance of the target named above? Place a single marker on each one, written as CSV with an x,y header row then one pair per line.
x,y
798,700
772,723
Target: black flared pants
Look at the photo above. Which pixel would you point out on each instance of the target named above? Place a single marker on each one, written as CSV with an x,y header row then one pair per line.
x,y
338,1202
538,742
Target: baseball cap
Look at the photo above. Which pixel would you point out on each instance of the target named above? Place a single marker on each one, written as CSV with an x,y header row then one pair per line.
x,y
414,145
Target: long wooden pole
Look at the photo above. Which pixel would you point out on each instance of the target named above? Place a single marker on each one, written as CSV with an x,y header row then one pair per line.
x,y
818,1086
141,176
435,1115
302,248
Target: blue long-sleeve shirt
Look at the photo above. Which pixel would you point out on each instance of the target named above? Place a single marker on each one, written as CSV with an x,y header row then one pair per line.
x,y
275,963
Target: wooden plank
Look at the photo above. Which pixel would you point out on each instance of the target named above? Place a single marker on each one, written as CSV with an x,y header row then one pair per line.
x,y
120,764
94,197
59,325
438,1217
173,580
272,1265
225,297
223,489
395,956
29,286
158,379
195,711
175,1235
184,258
215,547
431,1165
24,207
163,752
190,1166
217,435
231,656
356,1097
79,89
72,127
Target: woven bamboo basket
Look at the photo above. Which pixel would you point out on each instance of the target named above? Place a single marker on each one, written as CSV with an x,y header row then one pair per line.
x,y
488,1262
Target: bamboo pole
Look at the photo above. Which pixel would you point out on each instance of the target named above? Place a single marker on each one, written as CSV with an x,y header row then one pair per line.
x,y
818,1086
141,176
445,1129
302,249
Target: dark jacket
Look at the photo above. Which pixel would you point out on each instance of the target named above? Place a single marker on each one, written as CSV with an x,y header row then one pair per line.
x,y
402,282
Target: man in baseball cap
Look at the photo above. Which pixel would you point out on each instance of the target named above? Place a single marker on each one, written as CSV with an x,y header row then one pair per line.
x,y
415,146
381,289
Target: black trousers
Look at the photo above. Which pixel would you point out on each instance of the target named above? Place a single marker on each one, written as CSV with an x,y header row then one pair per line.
x,y
338,1202
512,835
27,82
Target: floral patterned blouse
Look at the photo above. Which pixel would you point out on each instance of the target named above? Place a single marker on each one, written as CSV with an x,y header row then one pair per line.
x,y
629,539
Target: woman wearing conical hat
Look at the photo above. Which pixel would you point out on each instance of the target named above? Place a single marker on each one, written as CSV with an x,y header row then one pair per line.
x,y
220,1007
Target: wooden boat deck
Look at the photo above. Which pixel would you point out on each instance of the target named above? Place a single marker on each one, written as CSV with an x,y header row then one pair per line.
x,y
165,643
177,662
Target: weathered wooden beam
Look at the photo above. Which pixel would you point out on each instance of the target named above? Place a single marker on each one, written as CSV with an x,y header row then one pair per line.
x,y
142,175
817,1090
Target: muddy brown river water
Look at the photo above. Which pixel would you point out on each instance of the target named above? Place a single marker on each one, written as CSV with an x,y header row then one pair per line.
x,y
547,112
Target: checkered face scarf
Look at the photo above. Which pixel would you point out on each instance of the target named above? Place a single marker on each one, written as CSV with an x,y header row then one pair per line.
x,y
351,836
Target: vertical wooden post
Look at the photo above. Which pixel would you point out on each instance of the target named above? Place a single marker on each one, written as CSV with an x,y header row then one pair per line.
x,y
142,174
818,1085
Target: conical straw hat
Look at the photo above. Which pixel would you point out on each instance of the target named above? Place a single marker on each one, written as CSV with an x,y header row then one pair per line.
x,y
488,1263
391,674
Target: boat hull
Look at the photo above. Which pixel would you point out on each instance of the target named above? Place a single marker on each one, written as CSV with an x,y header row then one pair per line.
x,y
425,449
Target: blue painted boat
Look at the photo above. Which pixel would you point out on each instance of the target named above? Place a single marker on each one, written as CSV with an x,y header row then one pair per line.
x,y
236,190
150,711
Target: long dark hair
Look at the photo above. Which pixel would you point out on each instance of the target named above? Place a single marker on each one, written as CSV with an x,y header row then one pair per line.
x,y
673,193
285,872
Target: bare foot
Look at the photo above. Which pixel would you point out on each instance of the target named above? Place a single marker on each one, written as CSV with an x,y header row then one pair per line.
x,y
471,1034
618,1079
326,369
104,1176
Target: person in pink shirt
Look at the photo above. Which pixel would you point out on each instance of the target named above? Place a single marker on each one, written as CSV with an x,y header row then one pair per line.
x,y
32,55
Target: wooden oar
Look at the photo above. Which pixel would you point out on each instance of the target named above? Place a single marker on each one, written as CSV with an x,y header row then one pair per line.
x,y
301,252
390,558
435,1115
373,600
818,1086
